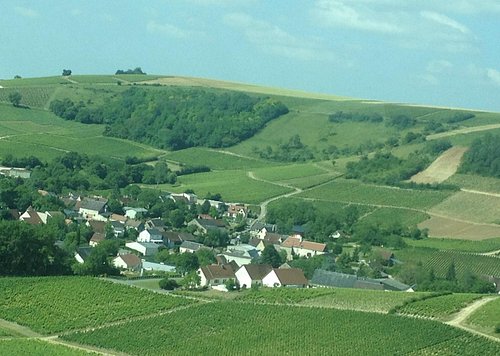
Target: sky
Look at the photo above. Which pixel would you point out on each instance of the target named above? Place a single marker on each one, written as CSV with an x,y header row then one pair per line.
x,y
438,52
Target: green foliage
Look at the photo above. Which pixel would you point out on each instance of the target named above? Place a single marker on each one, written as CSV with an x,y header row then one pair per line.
x,y
438,307
483,157
68,303
136,70
191,280
168,284
15,98
271,256
341,116
291,151
35,347
99,262
219,325
401,122
27,250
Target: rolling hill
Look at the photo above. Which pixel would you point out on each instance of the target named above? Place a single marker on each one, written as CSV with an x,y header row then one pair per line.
x,y
332,130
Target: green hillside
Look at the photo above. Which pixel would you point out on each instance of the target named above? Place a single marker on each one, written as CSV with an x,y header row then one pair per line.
x,y
307,153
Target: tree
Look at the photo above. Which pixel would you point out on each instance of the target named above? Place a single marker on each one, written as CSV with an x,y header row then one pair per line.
x,y
451,274
232,285
66,72
186,262
205,256
191,280
271,256
15,98
168,284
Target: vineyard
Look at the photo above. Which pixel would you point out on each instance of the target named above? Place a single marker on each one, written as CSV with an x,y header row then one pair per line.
x,y
440,261
244,329
362,300
67,303
284,295
33,97
360,193
457,245
466,345
37,348
486,318
441,307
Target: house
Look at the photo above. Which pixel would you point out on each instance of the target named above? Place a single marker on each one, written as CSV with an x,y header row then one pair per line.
x,y
82,253
218,205
97,226
128,261
32,217
155,223
137,225
214,275
325,278
151,235
235,210
252,274
90,209
295,245
15,172
117,217
241,254
134,213
144,248
157,267
190,247
288,277
394,285
96,239
259,227
298,230
118,228
202,225
186,198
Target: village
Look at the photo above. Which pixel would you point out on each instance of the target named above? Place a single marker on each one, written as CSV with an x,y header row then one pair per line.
x,y
252,254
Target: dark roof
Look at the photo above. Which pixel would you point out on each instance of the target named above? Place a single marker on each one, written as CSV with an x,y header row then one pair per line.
x,y
342,280
195,246
211,223
34,218
97,237
256,271
84,252
92,204
172,236
186,236
156,222
392,284
298,229
97,226
291,276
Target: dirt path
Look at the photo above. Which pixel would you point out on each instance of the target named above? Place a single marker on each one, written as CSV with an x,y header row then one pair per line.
x,y
442,168
18,329
465,130
480,192
463,314
265,203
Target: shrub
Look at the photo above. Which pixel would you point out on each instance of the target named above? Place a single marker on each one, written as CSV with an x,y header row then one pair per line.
x,y
168,284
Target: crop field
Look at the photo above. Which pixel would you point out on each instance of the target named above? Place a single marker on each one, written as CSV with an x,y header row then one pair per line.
x,y
234,186
441,227
441,260
84,302
457,245
359,193
475,182
486,318
466,345
312,181
441,307
283,295
33,97
470,207
405,217
220,326
28,82
361,300
216,160
33,347
288,172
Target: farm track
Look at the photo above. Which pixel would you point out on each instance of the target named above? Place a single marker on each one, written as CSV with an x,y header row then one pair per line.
x,y
462,315
496,195
462,131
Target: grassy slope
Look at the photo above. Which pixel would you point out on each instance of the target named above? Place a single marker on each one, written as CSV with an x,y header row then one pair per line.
x,y
36,131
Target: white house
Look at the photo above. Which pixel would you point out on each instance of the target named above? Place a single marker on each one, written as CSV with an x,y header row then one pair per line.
x,y
144,248
90,209
82,253
241,254
249,275
235,210
190,247
288,277
128,261
214,275
150,235
302,248
134,213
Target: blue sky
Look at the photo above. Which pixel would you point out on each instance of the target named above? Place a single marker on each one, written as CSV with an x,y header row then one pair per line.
x,y
435,52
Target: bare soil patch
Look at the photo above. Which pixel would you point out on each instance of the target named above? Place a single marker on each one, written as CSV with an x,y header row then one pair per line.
x,y
451,228
465,130
442,168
